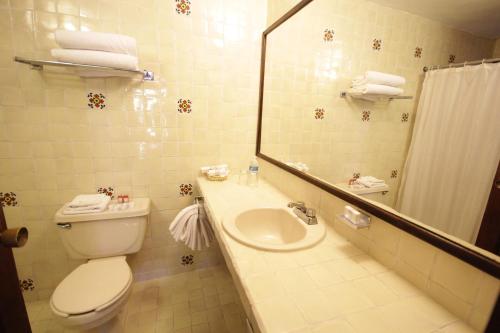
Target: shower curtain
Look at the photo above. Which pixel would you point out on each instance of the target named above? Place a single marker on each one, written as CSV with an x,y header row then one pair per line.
x,y
454,151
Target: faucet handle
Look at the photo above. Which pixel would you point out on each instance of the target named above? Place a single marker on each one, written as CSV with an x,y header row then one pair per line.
x,y
311,212
296,204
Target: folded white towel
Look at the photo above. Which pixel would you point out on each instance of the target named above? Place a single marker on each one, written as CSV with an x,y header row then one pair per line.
x,y
97,41
96,58
86,210
87,200
379,78
221,170
376,89
371,179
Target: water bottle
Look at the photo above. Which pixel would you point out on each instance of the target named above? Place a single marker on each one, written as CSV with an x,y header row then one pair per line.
x,y
253,173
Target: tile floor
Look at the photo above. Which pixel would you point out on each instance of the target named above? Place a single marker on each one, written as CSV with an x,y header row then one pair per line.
x,y
200,301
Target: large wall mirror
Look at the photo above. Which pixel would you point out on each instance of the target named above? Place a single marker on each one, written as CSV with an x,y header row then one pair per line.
x,y
424,157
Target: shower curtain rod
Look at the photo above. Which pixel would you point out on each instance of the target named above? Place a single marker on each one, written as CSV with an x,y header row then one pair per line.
x,y
466,63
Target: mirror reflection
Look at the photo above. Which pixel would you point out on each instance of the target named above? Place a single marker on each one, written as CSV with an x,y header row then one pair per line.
x,y
346,100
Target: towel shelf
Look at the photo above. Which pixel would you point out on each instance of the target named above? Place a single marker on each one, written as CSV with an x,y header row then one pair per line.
x,y
344,94
39,64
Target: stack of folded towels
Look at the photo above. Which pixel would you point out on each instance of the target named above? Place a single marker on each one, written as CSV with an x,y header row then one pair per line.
x,y
87,203
373,85
221,170
370,182
97,49
298,165
192,228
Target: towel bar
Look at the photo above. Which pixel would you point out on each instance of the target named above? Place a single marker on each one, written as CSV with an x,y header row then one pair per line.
x,y
39,64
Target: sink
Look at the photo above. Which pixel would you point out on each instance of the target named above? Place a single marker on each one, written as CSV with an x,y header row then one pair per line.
x,y
276,229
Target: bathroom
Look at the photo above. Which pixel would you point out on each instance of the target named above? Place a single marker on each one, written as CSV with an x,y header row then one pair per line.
x,y
207,99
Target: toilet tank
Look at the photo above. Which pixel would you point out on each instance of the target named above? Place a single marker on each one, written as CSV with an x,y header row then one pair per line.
x,y
105,234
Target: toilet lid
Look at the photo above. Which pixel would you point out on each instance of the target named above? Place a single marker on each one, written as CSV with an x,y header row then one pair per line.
x,y
92,285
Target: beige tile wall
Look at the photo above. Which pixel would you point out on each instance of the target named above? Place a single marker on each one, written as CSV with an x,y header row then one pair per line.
x,y
305,73
466,291
54,146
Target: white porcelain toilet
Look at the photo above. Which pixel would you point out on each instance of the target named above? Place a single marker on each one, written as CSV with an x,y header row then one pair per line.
x,y
96,291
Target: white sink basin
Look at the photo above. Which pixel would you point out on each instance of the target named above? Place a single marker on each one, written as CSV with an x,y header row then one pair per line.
x,y
275,229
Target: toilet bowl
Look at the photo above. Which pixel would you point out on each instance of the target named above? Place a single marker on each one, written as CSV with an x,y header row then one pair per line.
x,y
97,290
93,293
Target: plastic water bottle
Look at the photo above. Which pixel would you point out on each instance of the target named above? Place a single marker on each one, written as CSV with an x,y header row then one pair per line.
x,y
253,172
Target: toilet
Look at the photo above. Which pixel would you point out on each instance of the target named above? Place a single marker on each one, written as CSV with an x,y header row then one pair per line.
x,y
97,290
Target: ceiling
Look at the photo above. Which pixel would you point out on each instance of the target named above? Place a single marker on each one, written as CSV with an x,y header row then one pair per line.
x,y
479,17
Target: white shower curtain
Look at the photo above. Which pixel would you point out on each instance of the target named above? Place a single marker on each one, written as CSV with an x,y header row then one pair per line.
x,y
454,151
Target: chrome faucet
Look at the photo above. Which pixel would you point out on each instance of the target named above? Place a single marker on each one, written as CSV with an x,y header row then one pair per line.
x,y
308,215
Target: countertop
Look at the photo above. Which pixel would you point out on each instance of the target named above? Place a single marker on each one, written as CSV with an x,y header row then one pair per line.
x,y
330,287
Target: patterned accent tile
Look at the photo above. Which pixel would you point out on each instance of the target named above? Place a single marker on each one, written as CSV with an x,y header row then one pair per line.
x,y
184,105
183,7
96,100
418,52
187,260
27,285
377,44
185,189
8,199
319,113
365,115
451,58
405,117
328,35
109,191
394,173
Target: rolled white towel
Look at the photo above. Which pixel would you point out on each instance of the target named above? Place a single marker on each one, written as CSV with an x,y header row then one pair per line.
x,y
88,200
96,58
379,78
97,41
376,89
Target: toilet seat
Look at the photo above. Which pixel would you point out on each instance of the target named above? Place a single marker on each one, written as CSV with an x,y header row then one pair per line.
x,y
92,286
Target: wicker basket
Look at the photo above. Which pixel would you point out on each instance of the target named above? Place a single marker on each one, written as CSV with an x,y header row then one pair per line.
x,y
217,178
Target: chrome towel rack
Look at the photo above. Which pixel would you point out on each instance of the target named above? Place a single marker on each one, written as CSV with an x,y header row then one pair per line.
x,y
39,65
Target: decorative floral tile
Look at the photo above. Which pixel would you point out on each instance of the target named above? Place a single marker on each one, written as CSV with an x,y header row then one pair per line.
x,y
328,35
394,173
26,285
8,199
186,189
184,106
187,260
183,7
451,58
404,117
319,113
365,115
418,52
377,44
96,101
109,191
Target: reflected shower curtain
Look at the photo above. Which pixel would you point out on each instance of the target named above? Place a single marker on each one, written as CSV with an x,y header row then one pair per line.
x,y
454,151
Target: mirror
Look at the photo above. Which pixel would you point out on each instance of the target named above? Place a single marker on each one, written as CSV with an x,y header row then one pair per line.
x,y
429,152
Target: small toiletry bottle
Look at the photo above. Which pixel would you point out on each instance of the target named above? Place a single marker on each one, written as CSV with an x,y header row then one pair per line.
x,y
253,173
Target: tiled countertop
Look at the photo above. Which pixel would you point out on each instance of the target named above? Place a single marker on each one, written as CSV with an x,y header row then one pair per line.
x,y
331,287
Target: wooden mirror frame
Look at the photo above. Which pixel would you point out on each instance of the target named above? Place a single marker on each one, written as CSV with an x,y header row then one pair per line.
x,y
456,249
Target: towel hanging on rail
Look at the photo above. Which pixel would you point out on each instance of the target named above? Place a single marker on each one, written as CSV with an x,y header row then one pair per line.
x,y
192,228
